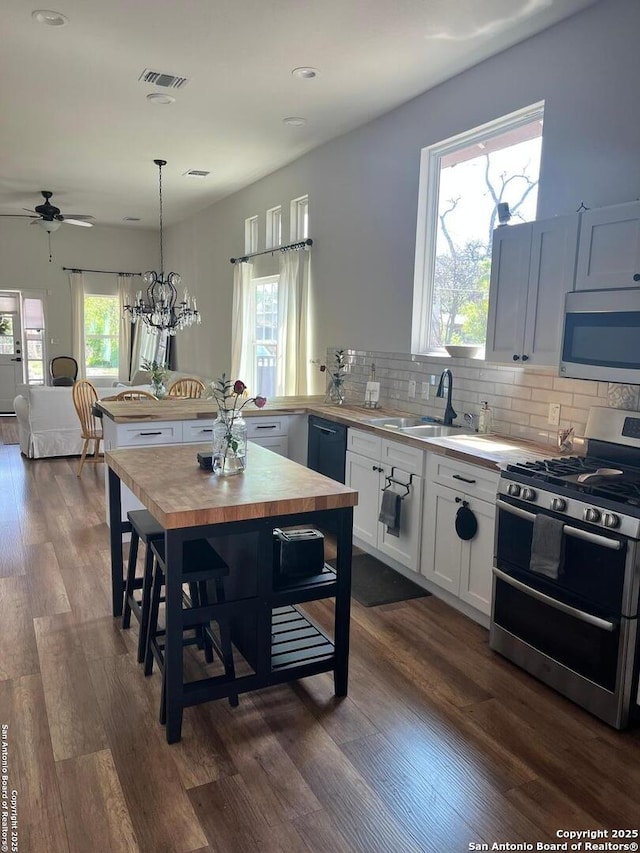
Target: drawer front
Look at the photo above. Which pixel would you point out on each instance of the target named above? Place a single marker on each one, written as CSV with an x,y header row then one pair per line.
x,y
264,427
150,433
199,431
364,443
471,479
403,455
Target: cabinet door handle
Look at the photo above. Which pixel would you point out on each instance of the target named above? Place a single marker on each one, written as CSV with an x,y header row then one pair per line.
x,y
208,429
516,357
525,358
273,426
464,479
159,432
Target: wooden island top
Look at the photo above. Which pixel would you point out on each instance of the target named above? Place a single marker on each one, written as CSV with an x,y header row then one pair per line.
x,y
178,493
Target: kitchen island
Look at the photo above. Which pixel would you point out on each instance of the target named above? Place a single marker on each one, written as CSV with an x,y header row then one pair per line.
x,y
190,503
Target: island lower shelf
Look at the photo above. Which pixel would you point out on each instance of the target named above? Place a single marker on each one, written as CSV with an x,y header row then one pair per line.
x,y
296,642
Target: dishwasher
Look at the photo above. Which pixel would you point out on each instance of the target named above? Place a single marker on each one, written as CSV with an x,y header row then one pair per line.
x,y
326,453
327,448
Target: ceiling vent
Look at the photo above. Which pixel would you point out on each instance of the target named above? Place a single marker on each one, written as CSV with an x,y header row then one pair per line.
x,y
131,219
161,78
196,173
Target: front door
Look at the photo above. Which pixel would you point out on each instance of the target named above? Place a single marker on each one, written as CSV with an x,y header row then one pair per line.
x,y
10,350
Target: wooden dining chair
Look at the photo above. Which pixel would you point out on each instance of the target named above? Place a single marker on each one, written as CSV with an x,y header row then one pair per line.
x,y
134,395
84,398
188,387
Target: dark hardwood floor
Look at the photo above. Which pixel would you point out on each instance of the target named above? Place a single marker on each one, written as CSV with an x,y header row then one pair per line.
x,y
440,743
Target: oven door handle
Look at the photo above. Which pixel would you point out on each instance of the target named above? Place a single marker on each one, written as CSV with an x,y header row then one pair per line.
x,y
576,532
603,624
515,510
603,541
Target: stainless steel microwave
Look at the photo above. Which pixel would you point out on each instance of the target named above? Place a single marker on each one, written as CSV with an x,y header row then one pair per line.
x,y
601,335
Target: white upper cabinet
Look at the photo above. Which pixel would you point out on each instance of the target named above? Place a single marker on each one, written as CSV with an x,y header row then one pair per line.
x,y
609,254
508,292
532,268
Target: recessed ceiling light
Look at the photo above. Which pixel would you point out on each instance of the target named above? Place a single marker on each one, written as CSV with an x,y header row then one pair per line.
x,y
294,121
305,72
50,18
160,98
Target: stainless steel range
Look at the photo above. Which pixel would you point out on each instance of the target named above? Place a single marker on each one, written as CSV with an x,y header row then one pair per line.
x,y
567,568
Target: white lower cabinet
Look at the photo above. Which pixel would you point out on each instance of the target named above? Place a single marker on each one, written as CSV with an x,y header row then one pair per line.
x,y
389,464
270,433
462,567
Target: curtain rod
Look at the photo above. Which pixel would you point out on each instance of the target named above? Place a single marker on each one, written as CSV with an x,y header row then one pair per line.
x,y
107,272
300,244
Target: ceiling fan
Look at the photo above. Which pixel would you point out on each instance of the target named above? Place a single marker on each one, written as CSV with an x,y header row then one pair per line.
x,y
48,216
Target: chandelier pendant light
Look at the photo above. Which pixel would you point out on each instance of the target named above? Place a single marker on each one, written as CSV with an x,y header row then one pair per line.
x,y
159,307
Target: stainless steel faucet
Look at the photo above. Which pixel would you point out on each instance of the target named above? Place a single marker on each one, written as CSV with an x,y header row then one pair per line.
x,y
449,413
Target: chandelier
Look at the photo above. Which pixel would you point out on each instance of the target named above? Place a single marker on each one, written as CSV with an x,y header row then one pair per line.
x,y
159,307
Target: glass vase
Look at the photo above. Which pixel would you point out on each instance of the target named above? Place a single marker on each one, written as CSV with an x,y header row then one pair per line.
x,y
229,443
158,389
336,393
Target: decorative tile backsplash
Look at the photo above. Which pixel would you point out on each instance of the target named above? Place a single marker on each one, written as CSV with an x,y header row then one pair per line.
x,y
518,397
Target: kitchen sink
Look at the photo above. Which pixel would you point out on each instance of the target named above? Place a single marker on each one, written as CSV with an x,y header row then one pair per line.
x,y
395,423
434,430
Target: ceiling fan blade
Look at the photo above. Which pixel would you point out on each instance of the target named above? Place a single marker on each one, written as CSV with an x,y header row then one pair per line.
x,y
77,222
19,215
29,210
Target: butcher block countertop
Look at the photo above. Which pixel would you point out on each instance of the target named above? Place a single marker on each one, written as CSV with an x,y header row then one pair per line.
x,y
178,493
490,451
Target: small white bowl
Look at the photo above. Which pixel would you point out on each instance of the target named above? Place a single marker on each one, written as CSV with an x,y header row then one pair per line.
x,y
463,350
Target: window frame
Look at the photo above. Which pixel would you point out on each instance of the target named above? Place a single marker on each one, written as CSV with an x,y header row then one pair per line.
x,y
40,296
251,232
299,218
254,343
273,235
427,217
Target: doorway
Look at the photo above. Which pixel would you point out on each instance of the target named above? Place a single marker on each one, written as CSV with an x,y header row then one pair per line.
x,y
10,350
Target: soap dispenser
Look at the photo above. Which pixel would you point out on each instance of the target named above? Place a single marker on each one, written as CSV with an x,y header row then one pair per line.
x,y
484,419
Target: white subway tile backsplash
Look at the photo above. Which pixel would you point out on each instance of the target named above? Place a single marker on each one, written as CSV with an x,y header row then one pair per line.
x,y
519,398
575,386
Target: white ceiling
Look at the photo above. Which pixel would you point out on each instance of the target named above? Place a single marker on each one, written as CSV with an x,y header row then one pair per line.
x,y
75,119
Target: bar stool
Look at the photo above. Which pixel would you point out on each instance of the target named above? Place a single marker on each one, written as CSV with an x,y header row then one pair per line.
x,y
201,564
143,527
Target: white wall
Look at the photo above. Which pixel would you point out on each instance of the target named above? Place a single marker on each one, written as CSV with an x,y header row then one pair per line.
x,y
363,186
24,251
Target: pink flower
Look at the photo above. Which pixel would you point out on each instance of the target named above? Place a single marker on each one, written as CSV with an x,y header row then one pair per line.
x,y
260,402
239,387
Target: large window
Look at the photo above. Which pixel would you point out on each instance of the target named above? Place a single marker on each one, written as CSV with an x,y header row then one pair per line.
x,y
101,333
463,181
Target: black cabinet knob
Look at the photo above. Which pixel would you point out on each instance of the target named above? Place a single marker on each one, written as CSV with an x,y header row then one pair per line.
x,y
637,277
516,357
525,358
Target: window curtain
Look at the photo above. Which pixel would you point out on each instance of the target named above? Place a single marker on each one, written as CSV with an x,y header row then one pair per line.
x,y
242,333
295,325
125,363
76,280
